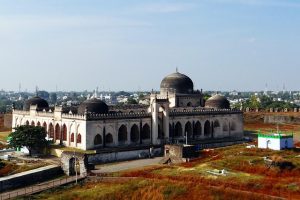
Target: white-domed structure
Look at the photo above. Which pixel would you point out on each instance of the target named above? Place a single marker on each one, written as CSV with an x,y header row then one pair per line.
x,y
177,111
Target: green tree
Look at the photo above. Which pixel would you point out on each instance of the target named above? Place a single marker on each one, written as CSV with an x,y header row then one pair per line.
x,y
254,103
131,101
32,137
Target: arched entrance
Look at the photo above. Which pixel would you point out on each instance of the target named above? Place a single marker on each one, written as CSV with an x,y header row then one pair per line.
x,y
57,132
97,140
64,133
109,139
188,130
197,129
122,134
207,129
178,130
145,133
134,134
51,131
74,163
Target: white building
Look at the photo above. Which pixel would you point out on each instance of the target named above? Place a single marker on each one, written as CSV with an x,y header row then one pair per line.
x,y
276,141
176,111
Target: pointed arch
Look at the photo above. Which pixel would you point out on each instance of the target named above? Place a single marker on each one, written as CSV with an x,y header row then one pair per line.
x,y
72,137
207,128
79,138
38,123
57,132
64,132
109,139
134,133
32,123
122,134
97,140
51,130
188,129
27,123
45,126
145,132
178,130
198,129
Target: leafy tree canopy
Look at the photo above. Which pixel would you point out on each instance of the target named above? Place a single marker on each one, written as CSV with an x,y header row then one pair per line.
x,y
32,137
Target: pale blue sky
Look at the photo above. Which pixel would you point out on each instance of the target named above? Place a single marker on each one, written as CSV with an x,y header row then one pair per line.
x,y
133,44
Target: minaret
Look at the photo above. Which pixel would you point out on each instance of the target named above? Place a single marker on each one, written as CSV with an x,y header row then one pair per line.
x,y
155,122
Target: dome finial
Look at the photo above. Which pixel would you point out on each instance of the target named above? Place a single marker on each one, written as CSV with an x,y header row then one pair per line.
x,y
36,90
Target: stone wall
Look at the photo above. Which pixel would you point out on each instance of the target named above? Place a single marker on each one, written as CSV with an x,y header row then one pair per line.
x,y
273,119
7,121
120,156
30,177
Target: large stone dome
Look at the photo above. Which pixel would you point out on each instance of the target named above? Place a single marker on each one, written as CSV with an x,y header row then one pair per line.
x,y
93,105
218,102
178,83
38,101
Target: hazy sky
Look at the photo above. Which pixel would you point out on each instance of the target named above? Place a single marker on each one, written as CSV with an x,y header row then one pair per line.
x,y
133,44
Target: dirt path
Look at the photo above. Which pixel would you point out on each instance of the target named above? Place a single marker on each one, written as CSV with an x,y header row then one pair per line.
x,y
116,167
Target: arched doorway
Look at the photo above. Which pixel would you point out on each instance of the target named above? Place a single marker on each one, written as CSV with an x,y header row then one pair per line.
x,y
178,130
109,139
145,132
72,137
27,123
134,134
64,132
38,124
45,126
51,130
207,129
97,140
122,134
188,130
32,123
57,132
217,127
74,163
79,138
198,129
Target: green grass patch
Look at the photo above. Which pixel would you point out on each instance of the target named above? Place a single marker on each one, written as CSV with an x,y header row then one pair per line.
x,y
4,135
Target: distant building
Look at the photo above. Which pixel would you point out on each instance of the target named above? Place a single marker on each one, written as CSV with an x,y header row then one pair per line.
x,y
275,141
177,111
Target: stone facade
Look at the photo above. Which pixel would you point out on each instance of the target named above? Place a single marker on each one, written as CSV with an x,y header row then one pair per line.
x,y
170,116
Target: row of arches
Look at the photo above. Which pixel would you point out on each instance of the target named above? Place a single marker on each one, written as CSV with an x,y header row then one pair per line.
x,y
196,129
136,134
108,139
57,132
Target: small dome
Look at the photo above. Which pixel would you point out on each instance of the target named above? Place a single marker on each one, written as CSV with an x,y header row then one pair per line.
x,y
39,102
217,101
178,83
94,105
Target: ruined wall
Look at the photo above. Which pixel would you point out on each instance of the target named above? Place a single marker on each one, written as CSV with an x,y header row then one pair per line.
x,y
274,119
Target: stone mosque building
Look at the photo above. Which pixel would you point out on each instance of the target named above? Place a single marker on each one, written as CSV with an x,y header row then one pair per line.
x,y
178,110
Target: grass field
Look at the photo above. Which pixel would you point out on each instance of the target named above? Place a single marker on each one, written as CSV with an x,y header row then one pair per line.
x,y
3,136
248,176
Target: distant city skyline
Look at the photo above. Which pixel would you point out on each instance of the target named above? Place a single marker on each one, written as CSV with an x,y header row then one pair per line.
x,y
132,45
